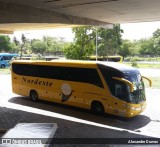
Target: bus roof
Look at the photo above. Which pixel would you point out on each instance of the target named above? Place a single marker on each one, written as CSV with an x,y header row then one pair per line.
x,y
4,53
65,63
79,63
119,66
8,54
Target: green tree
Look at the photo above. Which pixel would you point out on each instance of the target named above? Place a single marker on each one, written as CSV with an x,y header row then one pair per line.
x,y
53,44
70,51
156,34
135,47
15,45
156,50
16,41
22,49
156,38
109,40
147,46
84,43
5,44
38,46
125,49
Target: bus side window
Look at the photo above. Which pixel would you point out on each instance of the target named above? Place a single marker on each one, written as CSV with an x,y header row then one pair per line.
x,y
120,90
10,57
117,88
5,58
83,75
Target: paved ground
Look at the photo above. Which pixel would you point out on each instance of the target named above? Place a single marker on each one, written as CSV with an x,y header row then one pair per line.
x,y
77,123
150,72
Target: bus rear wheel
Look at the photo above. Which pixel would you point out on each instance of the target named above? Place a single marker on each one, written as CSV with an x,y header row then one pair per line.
x,y
2,66
97,107
34,95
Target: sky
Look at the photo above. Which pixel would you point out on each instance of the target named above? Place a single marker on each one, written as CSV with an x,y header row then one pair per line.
x,y
136,31
132,31
66,33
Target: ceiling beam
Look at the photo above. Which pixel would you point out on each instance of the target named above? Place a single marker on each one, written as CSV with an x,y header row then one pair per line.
x,y
15,13
6,32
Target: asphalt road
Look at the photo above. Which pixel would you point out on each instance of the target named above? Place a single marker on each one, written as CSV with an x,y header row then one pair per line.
x,y
79,123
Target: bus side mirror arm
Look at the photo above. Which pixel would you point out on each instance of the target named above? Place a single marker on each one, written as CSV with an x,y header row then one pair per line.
x,y
150,82
125,81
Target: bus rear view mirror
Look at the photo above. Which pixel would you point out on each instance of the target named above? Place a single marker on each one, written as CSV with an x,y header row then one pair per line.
x,y
149,80
125,81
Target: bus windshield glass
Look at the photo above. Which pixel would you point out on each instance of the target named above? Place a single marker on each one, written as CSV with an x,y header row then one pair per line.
x,y
138,94
121,90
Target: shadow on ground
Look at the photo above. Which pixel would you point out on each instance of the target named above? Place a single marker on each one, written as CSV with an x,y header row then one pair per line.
x,y
132,124
66,129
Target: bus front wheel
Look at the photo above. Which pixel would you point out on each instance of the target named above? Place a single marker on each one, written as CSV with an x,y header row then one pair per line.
x,y
34,95
97,107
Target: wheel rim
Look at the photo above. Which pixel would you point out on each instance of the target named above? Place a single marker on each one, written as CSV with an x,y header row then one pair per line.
x,y
34,96
2,66
98,108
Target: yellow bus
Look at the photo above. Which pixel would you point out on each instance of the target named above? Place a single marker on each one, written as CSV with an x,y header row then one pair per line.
x,y
107,58
103,87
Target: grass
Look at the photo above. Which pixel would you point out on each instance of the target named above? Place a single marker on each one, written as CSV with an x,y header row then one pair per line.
x,y
136,58
148,65
144,65
155,82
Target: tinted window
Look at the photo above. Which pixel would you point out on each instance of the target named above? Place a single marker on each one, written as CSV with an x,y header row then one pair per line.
x,y
114,59
117,88
86,75
7,57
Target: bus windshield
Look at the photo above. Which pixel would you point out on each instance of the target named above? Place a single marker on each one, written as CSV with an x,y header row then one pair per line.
x,y
121,90
138,95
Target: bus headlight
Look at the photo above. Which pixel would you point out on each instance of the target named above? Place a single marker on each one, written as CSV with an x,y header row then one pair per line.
x,y
132,108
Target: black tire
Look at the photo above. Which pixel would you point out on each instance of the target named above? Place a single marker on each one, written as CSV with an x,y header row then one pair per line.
x,y
2,66
34,95
97,107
